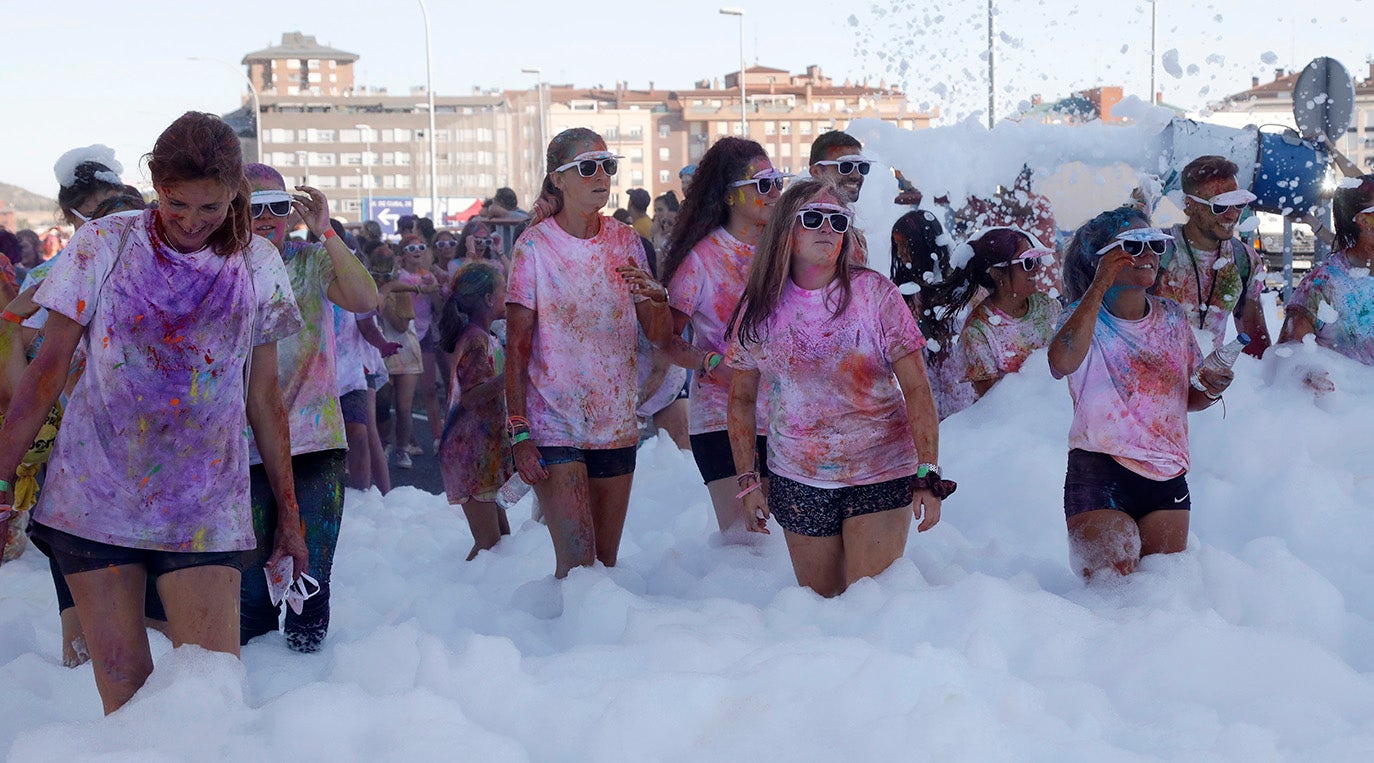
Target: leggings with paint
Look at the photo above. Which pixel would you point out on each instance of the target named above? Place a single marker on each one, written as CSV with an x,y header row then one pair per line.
x,y
319,479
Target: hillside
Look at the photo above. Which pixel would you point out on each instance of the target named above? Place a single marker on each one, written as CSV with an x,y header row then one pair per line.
x,y
19,199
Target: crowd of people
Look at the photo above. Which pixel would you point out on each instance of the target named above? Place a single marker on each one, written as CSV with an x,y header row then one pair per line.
x,y
193,383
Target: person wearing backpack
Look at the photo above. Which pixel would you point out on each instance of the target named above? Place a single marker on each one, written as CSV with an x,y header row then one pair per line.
x,y
1206,268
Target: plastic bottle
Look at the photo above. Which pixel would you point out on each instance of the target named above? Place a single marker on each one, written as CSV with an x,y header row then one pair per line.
x,y
1221,359
510,493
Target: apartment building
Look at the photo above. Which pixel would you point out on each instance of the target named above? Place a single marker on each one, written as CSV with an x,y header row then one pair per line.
x,y
1271,103
319,127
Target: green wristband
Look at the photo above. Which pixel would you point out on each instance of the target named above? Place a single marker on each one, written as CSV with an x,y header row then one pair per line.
x,y
519,438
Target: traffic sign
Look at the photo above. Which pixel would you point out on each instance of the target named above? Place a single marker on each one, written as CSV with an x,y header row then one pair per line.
x,y
1324,99
388,210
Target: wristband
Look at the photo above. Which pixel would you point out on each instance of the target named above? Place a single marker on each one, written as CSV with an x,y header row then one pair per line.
x,y
329,233
747,476
517,424
1209,394
748,490
923,469
14,318
709,361
519,437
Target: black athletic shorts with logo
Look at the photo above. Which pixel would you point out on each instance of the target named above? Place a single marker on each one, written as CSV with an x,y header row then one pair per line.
x,y
1097,481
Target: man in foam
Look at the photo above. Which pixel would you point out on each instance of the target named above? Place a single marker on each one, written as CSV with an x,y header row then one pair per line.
x,y
1207,269
838,156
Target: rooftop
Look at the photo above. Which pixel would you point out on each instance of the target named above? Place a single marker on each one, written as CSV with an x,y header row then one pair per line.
x,y
298,45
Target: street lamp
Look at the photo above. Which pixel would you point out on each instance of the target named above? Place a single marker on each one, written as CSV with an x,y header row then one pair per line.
x,y
253,91
992,64
1154,45
543,128
743,123
429,89
367,162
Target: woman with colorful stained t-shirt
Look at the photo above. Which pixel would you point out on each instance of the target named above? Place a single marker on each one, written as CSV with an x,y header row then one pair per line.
x,y
709,255
1129,357
578,294
852,433
1014,320
474,455
179,311
322,274
1335,301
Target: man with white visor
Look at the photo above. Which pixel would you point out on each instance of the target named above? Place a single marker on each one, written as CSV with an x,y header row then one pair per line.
x,y
1206,268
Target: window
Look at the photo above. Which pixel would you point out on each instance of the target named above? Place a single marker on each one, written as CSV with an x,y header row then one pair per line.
x,y
635,154
325,181
637,177
351,181
786,151
664,130
784,128
282,159
441,136
664,154
402,181
722,128
402,158
636,133
612,133
770,128
388,160
485,135
664,176
804,128
323,160
388,181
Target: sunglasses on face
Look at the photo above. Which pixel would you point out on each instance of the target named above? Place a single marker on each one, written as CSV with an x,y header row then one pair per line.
x,y
847,166
587,167
1217,209
813,219
765,185
447,243
484,241
413,248
1136,240
1028,264
277,208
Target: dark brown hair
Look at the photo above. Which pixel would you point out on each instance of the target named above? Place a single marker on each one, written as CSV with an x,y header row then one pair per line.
x,y
1347,203
200,146
561,151
1204,169
704,209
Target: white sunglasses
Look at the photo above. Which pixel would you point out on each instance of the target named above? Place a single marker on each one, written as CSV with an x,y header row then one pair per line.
x,y
588,163
847,164
1136,240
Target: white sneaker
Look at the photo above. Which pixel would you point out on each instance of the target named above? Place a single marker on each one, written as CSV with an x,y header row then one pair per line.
x,y
403,460
437,443
415,450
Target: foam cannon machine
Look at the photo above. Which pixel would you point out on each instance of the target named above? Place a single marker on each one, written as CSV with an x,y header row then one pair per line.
x,y
1289,170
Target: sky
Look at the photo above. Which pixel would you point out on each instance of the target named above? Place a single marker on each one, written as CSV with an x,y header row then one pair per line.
x,y
83,72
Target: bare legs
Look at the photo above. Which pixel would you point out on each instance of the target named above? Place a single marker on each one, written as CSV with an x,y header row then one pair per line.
x,y
202,609
487,521
1106,538
404,385
866,546
427,396
585,516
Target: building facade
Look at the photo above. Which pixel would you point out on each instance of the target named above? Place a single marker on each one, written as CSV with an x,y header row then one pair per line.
x,y
318,127
1271,103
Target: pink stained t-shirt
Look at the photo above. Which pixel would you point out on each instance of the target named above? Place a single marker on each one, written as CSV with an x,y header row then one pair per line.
x,y
153,451
1130,395
836,415
706,288
583,363
1207,284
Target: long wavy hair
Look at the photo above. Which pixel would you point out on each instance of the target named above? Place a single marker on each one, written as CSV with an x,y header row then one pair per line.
x,y
1080,255
561,150
705,209
200,146
946,300
773,263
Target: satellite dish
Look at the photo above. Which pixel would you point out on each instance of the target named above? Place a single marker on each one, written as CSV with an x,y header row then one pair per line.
x,y
1324,99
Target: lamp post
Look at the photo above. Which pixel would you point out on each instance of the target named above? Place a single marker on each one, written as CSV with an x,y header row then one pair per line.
x,y
743,120
1154,46
543,127
366,133
992,63
253,93
429,90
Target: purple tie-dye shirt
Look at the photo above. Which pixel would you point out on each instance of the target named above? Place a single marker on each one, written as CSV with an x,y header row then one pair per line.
x,y
1130,395
153,451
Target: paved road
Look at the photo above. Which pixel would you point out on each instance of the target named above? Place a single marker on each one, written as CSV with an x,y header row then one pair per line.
x,y
425,472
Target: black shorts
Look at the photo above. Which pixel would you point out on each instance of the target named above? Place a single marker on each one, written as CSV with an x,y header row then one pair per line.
x,y
353,405
601,464
820,512
716,461
76,555
1097,481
